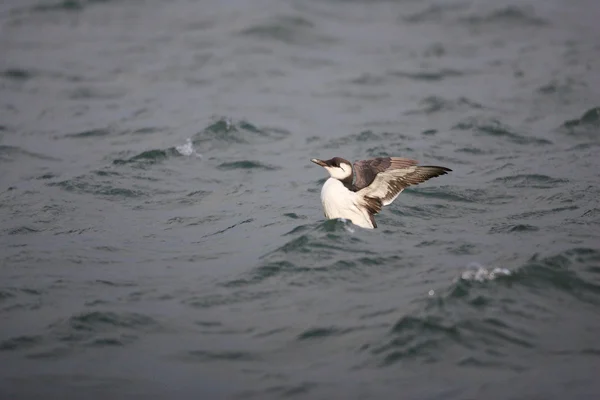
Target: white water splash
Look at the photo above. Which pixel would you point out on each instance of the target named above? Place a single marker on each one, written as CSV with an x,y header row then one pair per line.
x,y
187,149
479,273
348,225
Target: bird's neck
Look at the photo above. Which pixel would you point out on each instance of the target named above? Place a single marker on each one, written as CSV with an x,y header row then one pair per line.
x,y
347,182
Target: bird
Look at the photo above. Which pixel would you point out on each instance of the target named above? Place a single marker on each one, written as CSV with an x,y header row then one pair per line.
x,y
357,192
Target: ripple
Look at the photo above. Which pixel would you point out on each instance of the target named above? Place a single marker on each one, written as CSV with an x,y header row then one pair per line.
x,y
531,181
23,230
262,273
288,29
434,104
47,176
149,157
564,272
507,17
97,93
294,216
12,153
246,221
586,125
65,5
331,243
474,151
246,164
573,272
433,13
89,329
482,314
496,128
20,343
321,333
227,355
17,74
369,79
114,283
560,89
463,195
97,329
98,321
328,236
541,213
218,300
282,391
417,337
513,228
106,188
92,133
431,76
364,136
225,132
5,295
434,211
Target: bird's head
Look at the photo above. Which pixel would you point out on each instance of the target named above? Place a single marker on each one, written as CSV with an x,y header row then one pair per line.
x,y
337,167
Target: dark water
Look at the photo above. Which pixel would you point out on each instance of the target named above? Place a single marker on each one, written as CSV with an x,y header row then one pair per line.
x,y
161,229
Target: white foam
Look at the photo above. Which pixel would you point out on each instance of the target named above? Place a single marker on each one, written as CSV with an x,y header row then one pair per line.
x,y
187,149
348,225
479,273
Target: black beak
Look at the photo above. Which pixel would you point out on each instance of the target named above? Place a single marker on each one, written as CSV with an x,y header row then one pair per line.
x,y
319,162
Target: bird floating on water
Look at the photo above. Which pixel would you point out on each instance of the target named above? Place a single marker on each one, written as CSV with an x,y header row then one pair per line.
x,y
359,191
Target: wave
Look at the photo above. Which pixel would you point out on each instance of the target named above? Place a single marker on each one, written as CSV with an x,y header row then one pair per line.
x,y
488,310
538,181
435,104
220,134
433,75
92,133
510,16
495,128
66,5
506,17
87,329
12,153
587,125
107,187
17,74
292,30
149,157
246,164
336,244
225,132
434,13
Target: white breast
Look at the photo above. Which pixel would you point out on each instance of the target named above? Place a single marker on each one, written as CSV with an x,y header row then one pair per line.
x,y
339,202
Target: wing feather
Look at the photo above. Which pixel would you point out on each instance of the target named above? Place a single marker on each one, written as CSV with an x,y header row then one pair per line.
x,y
387,185
365,171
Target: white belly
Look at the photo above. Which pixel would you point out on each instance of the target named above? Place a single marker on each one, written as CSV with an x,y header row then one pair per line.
x,y
339,202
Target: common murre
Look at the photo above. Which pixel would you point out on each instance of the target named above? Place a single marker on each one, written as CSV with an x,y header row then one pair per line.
x,y
376,183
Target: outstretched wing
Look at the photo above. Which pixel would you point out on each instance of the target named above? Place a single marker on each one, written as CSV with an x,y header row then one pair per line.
x,y
388,184
365,171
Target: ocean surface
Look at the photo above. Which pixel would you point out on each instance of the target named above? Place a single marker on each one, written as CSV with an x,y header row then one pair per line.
x,y
161,231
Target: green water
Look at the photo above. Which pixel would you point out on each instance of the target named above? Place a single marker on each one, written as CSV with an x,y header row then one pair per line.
x,y
161,232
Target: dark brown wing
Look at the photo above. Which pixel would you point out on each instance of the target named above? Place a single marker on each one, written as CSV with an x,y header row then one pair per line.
x,y
365,171
388,184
